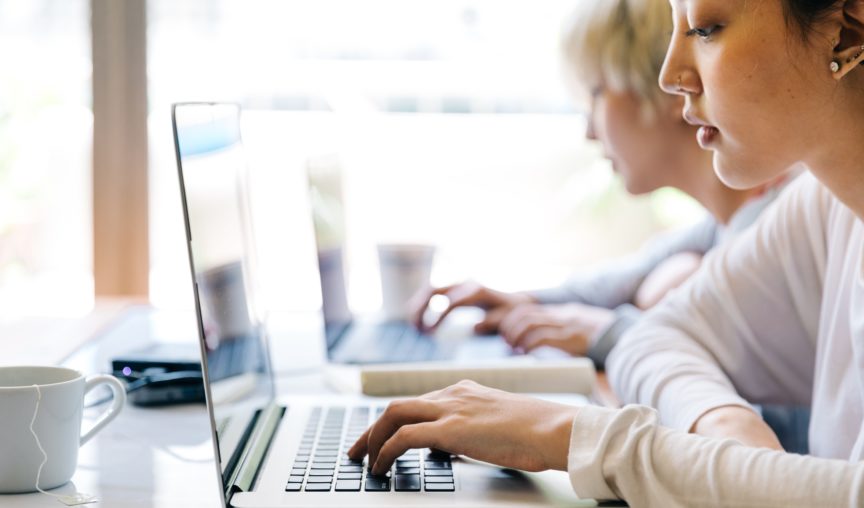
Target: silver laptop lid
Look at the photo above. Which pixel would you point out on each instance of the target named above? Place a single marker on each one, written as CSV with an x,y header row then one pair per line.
x,y
215,198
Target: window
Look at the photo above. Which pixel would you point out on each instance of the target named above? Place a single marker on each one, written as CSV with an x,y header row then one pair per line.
x,y
448,118
45,150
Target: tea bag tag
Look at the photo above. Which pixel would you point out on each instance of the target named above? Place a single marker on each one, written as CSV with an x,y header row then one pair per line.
x,y
77,498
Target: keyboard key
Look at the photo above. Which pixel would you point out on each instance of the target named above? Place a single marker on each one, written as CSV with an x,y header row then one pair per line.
x,y
293,486
377,484
407,470
317,487
351,469
348,485
407,482
436,455
439,472
298,471
369,473
350,462
437,464
349,476
440,487
321,472
407,463
438,479
324,464
295,479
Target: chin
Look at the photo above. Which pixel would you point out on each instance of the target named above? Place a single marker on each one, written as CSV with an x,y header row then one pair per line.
x,y
734,174
635,187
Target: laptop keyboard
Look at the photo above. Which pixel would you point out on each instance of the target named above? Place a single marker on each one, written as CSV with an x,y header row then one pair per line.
x,y
322,463
400,342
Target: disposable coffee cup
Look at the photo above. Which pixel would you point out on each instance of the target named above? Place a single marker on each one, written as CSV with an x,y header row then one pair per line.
x,y
405,270
222,290
52,399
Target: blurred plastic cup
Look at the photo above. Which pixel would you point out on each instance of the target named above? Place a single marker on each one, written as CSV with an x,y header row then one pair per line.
x,y
405,270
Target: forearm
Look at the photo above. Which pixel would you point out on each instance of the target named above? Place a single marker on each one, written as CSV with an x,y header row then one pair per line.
x,y
661,367
616,282
739,423
625,454
608,288
601,345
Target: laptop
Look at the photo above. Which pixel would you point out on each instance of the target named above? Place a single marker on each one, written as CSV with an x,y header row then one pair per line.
x,y
274,451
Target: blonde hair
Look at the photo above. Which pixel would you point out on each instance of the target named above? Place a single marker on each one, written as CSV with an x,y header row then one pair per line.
x,y
619,44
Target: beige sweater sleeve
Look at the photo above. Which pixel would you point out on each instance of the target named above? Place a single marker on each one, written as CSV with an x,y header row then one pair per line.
x,y
625,454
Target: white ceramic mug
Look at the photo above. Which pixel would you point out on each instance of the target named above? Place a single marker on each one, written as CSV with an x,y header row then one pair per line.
x,y
58,405
405,270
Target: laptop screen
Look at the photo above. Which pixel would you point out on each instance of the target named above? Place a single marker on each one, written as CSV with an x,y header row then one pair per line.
x,y
325,186
215,196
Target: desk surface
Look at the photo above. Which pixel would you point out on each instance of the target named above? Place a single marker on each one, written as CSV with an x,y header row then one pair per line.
x,y
146,457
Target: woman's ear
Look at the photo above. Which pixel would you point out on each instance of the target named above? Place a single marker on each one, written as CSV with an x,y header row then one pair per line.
x,y
848,51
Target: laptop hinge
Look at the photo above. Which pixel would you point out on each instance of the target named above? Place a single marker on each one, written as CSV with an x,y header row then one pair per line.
x,y
256,449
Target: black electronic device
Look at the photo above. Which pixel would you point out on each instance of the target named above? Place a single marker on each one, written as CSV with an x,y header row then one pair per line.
x,y
161,375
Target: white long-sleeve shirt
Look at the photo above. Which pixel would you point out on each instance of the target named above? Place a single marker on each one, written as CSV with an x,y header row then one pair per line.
x,y
614,284
625,454
775,316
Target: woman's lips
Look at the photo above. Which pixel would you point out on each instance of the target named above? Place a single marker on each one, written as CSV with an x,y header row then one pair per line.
x,y
706,135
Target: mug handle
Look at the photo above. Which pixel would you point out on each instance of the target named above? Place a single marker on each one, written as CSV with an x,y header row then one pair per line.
x,y
117,403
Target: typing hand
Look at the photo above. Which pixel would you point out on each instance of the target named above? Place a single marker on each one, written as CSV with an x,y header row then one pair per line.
x,y
569,327
470,419
496,304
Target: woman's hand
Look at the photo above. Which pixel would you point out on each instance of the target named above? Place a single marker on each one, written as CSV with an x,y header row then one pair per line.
x,y
469,419
495,303
569,327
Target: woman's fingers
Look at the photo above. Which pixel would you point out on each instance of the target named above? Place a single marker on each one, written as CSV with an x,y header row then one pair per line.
x,y
359,448
420,302
539,338
518,329
418,435
509,322
398,414
491,321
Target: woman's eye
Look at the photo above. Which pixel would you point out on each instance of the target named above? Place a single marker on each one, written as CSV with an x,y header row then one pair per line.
x,y
702,32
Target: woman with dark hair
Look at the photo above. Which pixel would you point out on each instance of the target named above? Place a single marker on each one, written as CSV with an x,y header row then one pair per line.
x,y
777,314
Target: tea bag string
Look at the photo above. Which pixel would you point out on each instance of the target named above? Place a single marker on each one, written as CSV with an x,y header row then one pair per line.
x,y
39,443
69,500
